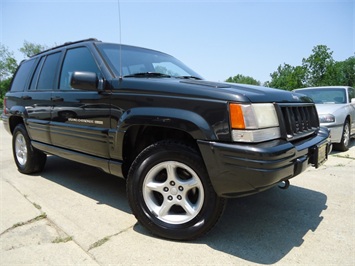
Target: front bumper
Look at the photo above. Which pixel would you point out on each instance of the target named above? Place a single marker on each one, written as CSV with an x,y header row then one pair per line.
x,y
336,132
242,169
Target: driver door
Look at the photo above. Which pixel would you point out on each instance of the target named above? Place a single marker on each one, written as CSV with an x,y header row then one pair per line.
x,y
80,119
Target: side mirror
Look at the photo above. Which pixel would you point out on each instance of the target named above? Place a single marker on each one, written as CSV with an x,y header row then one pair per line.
x,y
84,81
353,100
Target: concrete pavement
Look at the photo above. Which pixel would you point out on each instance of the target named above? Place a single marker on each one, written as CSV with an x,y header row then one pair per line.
x,y
72,214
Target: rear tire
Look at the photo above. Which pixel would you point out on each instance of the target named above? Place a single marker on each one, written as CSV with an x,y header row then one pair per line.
x,y
27,158
170,193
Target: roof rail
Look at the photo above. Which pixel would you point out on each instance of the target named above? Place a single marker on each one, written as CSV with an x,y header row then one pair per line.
x,y
84,40
67,43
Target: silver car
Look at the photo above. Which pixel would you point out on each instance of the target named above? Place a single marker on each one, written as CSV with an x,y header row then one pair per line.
x,y
336,111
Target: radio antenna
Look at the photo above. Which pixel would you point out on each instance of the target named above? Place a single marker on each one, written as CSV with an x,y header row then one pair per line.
x,y
120,37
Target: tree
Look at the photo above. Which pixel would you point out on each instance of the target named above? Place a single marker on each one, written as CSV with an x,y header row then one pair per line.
x,y
320,66
4,86
8,67
243,80
319,69
287,77
8,63
349,71
30,49
345,72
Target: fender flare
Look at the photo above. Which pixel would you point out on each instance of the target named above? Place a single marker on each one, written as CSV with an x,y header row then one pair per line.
x,y
179,119
18,111
191,123
15,113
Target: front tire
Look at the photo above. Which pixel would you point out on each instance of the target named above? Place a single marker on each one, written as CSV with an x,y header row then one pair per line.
x,y
27,158
345,138
170,193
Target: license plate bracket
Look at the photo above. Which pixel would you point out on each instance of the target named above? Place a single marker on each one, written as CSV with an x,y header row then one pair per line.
x,y
320,154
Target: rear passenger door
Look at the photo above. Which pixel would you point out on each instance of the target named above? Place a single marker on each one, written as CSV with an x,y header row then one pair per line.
x,y
38,98
80,119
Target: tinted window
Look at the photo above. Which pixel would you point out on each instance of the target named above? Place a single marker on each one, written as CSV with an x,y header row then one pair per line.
x,y
78,59
137,60
36,75
22,75
46,79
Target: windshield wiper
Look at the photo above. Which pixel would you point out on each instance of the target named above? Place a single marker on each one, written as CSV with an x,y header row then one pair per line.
x,y
189,77
147,74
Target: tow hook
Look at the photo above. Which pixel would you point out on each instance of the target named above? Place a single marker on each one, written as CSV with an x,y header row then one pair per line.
x,y
284,184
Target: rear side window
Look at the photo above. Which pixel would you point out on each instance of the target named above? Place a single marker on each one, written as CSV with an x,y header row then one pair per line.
x,y
22,75
36,74
48,73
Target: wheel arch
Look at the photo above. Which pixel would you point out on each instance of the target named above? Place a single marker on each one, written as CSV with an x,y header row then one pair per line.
x,y
139,137
349,121
14,121
140,127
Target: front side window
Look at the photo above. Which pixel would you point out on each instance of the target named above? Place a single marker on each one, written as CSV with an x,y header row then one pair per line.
x,y
77,59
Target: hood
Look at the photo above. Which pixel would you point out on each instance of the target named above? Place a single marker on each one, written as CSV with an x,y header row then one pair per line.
x,y
211,90
261,94
256,94
328,108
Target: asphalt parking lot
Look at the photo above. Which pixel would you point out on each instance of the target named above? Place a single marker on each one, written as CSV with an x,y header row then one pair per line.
x,y
72,214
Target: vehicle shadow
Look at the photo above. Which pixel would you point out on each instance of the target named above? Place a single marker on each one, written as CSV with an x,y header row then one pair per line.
x,y
88,181
261,228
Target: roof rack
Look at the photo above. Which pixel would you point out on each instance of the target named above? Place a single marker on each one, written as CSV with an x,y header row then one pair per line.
x,y
85,40
67,43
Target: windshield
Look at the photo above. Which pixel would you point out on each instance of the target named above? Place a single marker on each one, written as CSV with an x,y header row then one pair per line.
x,y
137,61
325,95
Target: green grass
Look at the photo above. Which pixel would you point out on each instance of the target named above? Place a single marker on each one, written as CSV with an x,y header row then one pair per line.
x,y
62,240
99,243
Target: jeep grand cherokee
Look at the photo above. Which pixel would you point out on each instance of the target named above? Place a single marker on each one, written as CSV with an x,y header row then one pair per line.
x,y
183,144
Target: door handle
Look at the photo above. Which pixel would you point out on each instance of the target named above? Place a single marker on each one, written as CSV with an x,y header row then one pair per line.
x,y
26,97
57,99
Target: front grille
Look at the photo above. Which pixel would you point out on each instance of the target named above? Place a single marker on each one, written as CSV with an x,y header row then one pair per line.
x,y
299,120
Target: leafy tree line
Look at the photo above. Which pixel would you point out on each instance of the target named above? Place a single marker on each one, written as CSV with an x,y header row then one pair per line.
x,y
8,67
243,80
8,63
319,69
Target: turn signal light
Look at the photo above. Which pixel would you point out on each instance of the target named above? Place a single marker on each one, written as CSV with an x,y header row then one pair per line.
x,y
236,116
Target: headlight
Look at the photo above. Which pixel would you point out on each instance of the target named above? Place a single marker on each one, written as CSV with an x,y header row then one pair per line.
x,y
328,118
254,122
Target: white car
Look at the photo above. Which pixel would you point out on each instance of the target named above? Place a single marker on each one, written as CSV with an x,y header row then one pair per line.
x,y
336,111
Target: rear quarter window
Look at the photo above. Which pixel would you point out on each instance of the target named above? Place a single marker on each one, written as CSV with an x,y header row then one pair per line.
x,y
22,75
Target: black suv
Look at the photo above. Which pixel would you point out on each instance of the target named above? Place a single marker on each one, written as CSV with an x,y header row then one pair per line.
x,y
182,143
